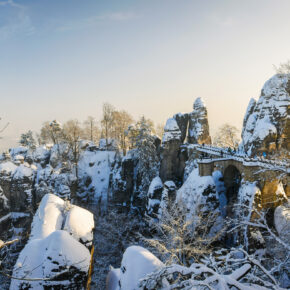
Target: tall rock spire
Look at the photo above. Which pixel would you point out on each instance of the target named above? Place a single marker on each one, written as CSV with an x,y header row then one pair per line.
x,y
198,128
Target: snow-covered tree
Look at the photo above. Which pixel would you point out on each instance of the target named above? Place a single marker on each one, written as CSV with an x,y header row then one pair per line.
x,y
27,140
182,240
148,163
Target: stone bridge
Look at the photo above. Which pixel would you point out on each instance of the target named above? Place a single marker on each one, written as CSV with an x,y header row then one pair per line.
x,y
268,174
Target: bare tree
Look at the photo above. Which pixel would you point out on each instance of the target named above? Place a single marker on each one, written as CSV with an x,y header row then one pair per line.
x,y
283,68
108,120
122,120
227,136
51,132
159,130
91,129
3,128
72,135
180,239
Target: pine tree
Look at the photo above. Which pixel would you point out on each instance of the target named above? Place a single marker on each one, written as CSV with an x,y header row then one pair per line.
x,y
147,154
27,140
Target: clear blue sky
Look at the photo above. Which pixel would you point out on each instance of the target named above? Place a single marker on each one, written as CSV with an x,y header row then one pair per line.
x,y
61,59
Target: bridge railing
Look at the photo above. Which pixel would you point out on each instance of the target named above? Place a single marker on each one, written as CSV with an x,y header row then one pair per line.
x,y
240,156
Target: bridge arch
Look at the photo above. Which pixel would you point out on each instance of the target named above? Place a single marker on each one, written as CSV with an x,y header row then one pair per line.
x,y
232,180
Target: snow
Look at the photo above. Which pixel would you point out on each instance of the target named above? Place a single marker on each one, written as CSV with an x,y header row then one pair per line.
x,y
54,214
171,125
282,219
113,278
198,103
97,165
170,184
155,184
112,144
23,170
267,112
263,128
171,131
80,223
8,167
191,192
4,218
21,150
241,157
221,191
40,153
246,196
40,258
54,243
137,262
48,217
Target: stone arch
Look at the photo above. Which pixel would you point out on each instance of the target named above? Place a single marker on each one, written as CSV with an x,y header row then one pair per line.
x,y
232,181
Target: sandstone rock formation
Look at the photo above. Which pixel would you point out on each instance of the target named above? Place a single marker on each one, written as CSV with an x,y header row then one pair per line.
x,y
198,128
174,152
171,143
266,125
182,122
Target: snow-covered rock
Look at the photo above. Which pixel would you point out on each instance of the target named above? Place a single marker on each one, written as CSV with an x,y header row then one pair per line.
x,y
182,122
198,194
168,197
154,195
113,278
54,214
48,217
198,128
79,222
45,258
18,151
7,168
171,131
266,126
54,246
249,197
94,169
282,221
137,262
111,146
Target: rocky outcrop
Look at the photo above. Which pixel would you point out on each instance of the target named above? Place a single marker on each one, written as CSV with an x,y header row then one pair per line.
x,y
123,178
182,122
170,150
154,196
198,128
266,125
174,152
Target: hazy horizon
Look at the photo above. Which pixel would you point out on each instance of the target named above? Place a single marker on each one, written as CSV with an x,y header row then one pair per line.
x,y
63,59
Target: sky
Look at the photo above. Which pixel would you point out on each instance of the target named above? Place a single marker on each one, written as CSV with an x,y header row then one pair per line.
x,y
62,59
